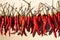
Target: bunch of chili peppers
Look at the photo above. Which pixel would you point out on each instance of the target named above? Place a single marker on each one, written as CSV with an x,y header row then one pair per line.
x,y
35,23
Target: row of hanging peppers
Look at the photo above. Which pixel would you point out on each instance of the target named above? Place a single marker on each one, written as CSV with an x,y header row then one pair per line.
x,y
35,23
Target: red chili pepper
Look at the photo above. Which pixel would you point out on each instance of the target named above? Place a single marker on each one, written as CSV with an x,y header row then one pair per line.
x,y
19,20
10,24
28,23
18,25
58,21
40,23
36,26
45,21
51,23
15,23
31,24
23,25
6,24
1,24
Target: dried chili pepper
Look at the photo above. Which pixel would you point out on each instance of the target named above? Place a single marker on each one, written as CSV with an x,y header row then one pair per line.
x,y
45,21
57,21
23,25
36,27
40,22
1,24
18,25
51,23
5,24
15,23
28,23
32,24
9,24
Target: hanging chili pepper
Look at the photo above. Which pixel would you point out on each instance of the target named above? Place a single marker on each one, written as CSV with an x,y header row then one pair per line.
x,y
5,24
9,24
23,25
57,21
32,24
12,23
36,26
15,23
18,25
45,21
40,22
51,23
1,24
28,23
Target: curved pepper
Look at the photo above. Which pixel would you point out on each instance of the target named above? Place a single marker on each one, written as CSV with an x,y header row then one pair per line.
x,y
36,27
45,21
51,23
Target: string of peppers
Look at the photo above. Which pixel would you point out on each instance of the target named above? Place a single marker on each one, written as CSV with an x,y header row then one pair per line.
x,y
29,21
